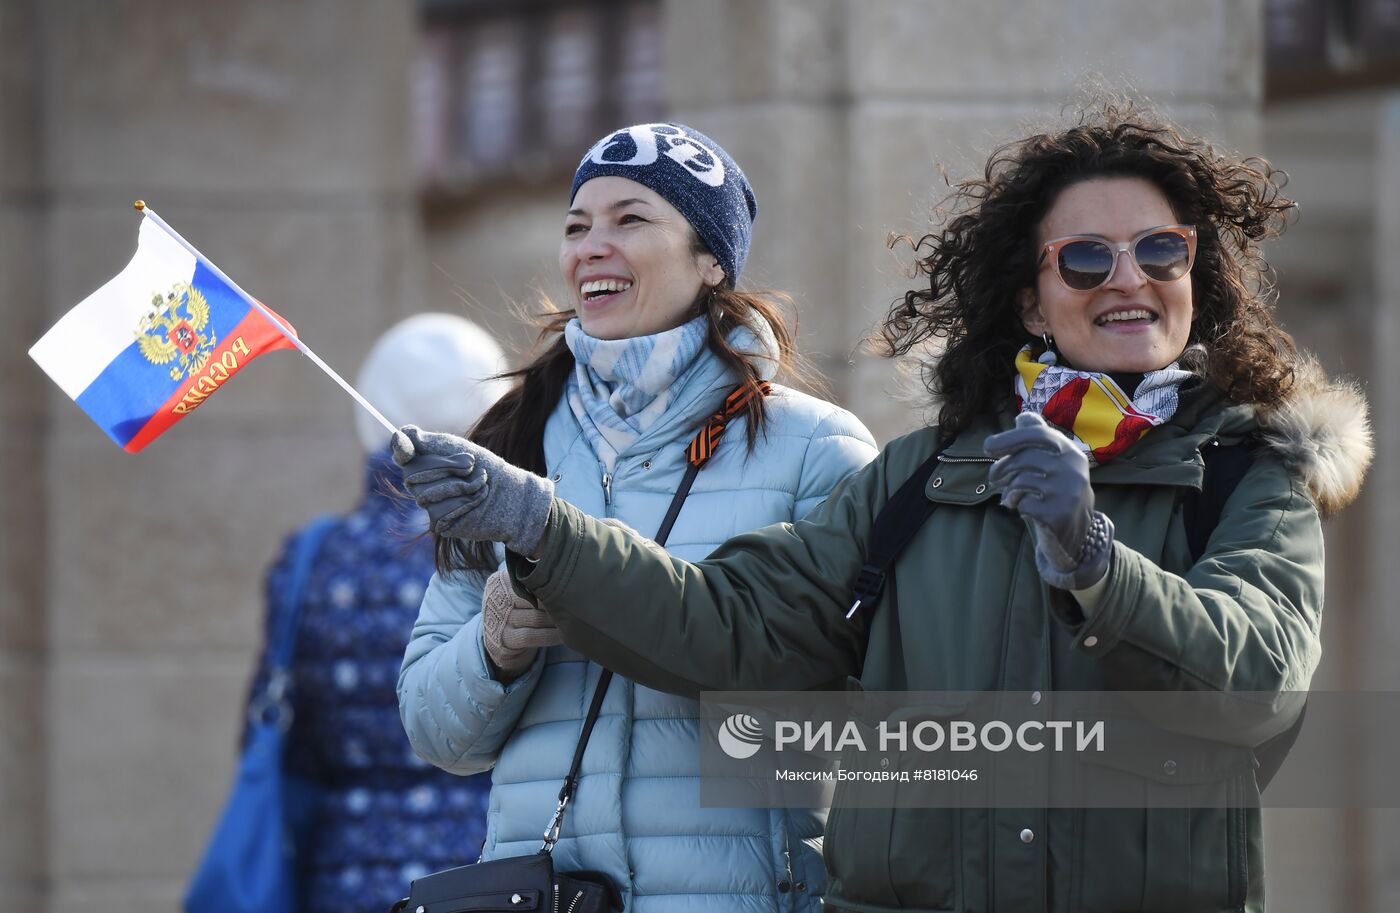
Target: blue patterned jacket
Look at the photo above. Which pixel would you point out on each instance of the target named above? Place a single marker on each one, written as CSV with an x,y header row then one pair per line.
x,y
387,817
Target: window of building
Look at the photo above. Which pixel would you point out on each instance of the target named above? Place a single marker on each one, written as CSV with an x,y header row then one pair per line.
x,y
516,90
1315,46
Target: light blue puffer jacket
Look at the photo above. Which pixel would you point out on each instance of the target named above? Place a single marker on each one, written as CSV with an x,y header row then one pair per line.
x,y
636,814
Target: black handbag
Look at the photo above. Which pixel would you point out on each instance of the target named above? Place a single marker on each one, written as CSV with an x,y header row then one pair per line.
x,y
530,882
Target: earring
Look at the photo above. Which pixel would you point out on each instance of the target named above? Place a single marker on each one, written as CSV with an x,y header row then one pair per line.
x,y
1048,356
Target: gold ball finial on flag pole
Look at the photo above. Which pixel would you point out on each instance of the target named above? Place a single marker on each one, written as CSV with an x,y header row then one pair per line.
x,y
140,205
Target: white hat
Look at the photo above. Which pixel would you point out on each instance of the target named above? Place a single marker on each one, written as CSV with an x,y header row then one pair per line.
x,y
431,370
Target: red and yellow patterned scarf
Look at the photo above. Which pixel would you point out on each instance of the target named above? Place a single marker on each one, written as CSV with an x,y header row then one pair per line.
x,y
1091,408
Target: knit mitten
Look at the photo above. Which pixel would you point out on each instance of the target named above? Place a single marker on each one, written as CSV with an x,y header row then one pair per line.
x,y
512,629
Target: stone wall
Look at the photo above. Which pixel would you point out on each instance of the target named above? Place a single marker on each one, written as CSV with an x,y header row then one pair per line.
x,y
23,511
1335,266
1382,583
274,137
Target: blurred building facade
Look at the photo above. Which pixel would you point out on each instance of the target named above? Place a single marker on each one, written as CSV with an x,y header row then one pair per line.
x,y
351,162
1331,119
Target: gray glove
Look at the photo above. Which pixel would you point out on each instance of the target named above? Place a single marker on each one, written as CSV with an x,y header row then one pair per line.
x,y
512,630
1045,478
470,493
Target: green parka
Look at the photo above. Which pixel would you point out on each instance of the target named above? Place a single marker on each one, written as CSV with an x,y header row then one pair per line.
x,y
967,611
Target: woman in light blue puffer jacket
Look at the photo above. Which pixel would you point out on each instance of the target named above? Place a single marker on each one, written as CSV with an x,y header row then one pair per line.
x,y
658,337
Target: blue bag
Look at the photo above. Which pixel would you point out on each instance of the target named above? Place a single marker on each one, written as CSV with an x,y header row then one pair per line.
x,y
249,865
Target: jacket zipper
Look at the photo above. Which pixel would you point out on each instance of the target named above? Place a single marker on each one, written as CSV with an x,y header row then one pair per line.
x,y
787,859
948,459
573,903
607,488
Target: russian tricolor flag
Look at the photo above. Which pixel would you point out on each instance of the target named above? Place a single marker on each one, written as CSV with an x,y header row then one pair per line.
x,y
147,348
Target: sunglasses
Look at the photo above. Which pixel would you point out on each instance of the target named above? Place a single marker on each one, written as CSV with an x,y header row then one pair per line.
x,y
1085,262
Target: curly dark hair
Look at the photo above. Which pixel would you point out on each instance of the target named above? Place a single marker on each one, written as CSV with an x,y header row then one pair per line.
x,y
984,251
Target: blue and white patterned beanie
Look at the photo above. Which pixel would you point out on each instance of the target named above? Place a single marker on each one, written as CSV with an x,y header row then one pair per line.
x,y
692,173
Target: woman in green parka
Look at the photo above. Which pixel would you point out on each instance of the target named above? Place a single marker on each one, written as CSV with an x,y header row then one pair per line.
x,y
1105,317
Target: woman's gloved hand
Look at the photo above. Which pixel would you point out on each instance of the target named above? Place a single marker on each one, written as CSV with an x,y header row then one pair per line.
x,y
512,630
470,493
1045,478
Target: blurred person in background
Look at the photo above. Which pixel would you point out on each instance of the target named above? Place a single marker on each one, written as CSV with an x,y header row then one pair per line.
x,y
656,352
1109,326
385,816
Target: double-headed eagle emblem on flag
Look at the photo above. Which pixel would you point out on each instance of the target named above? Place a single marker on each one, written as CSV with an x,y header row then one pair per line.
x,y
173,331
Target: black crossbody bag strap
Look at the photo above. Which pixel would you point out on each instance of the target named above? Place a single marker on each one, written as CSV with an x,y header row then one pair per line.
x,y
1225,468
901,517
699,453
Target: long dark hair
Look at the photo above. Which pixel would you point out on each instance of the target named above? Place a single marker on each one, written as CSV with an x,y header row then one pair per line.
x,y
986,250
514,427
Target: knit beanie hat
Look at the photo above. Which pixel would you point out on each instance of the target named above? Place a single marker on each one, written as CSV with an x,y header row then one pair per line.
x,y
434,370
692,173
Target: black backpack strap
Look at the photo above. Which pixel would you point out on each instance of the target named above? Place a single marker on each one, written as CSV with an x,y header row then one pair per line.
x,y
895,525
1271,754
1200,512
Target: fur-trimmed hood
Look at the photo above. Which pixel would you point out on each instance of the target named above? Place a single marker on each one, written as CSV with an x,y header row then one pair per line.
x,y
1322,432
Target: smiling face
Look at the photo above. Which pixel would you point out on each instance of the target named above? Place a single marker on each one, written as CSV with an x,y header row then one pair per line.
x,y
629,260
1128,323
